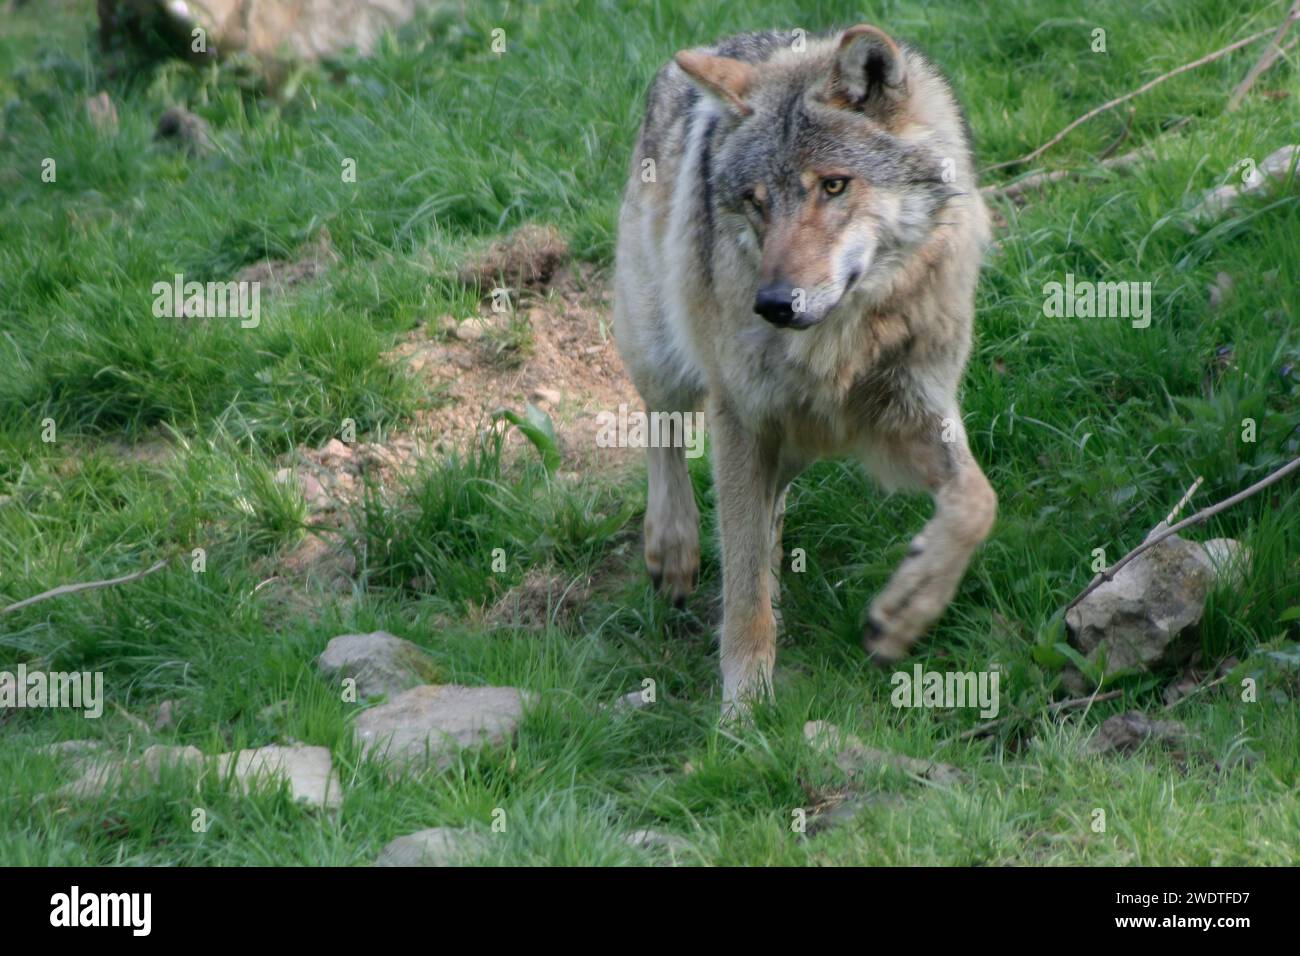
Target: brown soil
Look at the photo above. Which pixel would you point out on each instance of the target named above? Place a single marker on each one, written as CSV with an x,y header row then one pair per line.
x,y
568,367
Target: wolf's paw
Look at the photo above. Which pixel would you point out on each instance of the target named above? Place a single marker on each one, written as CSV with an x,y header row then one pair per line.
x,y
745,682
886,646
672,557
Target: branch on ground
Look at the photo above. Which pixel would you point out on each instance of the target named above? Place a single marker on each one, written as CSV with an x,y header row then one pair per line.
x,y
1097,111
1203,515
63,589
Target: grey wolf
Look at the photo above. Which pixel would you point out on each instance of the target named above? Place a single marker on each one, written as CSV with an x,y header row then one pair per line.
x,y
798,250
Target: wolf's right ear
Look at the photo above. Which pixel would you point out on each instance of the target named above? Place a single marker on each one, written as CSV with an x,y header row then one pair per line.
x,y
870,71
727,79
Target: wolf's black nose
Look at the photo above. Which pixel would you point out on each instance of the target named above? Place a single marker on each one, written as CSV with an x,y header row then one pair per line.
x,y
775,303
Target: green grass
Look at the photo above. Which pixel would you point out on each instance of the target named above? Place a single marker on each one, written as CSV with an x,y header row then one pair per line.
x,y
1089,430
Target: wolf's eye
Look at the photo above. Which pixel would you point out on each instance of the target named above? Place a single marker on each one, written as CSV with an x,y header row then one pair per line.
x,y
835,185
752,199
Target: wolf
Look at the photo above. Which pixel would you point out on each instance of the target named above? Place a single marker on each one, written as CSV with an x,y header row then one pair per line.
x,y
798,250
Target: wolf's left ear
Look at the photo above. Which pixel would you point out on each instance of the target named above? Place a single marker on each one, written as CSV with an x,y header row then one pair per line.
x,y
870,70
727,79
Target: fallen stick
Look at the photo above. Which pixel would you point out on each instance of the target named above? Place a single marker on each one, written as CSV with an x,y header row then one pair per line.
x,y
1109,151
1182,502
1097,111
1037,181
1203,515
985,729
63,589
1266,61
1199,689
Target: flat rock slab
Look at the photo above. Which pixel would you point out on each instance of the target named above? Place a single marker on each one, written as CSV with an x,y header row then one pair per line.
x,y
380,663
436,846
659,842
309,771
853,756
434,722
1124,733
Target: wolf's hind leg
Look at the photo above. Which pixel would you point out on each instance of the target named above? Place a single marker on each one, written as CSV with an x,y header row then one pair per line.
x,y
672,520
927,579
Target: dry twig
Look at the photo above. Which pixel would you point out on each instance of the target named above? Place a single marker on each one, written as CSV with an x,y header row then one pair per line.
x,y
1265,62
1097,111
984,729
63,589
1203,515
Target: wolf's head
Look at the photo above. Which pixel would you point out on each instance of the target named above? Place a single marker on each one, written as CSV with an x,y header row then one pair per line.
x,y
837,161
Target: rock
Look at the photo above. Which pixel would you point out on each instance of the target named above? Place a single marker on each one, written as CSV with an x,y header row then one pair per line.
x,y
1148,616
632,700
159,757
657,840
308,771
379,662
471,330
549,395
73,749
435,721
1220,290
1124,733
334,453
99,770
1270,174
102,113
313,492
165,717
182,128
437,846
853,756
1230,559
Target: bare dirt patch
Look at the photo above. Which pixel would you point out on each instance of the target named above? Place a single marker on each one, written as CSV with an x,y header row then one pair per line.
x,y
559,355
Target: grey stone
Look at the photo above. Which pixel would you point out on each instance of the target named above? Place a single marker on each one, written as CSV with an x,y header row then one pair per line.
x,y
436,721
1271,172
379,662
853,756
167,715
1124,733
308,771
436,846
657,840
182,128
1149,614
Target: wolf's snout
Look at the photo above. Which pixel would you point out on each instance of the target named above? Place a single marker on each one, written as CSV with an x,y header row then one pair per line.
x,y
775,303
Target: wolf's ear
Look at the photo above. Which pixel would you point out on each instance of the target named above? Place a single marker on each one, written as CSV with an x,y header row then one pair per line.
x,y
729,80
870,71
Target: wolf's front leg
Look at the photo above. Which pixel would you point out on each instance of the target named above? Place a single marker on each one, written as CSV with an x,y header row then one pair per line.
x,y
745,479
672,520
965,507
